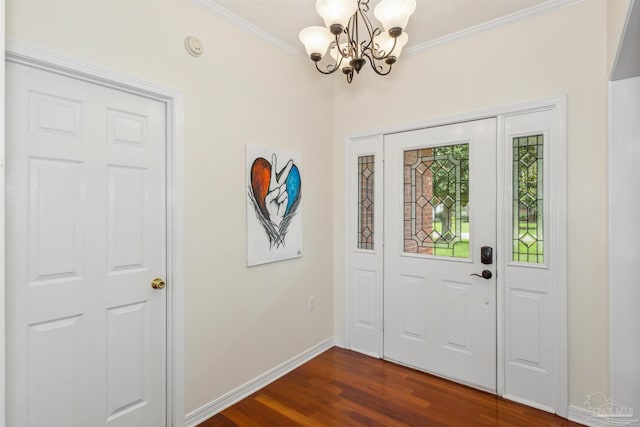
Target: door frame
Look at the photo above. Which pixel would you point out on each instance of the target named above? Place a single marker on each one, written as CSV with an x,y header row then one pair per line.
x,y
40,59
557,204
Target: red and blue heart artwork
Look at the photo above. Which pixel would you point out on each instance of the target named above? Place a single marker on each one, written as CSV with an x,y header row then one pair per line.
x,y
276,195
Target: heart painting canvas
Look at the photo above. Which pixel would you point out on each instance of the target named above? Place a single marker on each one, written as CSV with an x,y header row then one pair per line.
x,y
274,205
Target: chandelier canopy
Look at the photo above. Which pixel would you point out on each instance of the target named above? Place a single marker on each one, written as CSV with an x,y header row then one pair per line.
x,y
346,22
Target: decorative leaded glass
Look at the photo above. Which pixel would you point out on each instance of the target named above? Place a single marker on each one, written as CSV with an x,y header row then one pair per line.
x,y
366,170
436,201
528,236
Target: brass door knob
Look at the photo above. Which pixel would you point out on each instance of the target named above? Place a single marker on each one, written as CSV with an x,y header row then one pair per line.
x,y
157,283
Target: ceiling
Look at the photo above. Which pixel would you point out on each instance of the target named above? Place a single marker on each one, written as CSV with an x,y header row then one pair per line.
x,y
282,20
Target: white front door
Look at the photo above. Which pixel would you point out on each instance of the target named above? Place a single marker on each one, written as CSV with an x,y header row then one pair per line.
x,y
440,210
85,236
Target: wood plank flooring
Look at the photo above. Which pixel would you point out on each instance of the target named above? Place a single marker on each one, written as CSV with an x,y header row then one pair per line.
x,y
345,388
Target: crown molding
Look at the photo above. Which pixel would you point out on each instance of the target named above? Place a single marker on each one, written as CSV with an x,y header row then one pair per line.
x,y
539,9
248,26
494,23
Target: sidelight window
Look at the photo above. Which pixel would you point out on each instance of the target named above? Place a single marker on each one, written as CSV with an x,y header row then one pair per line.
x,y
366,174
528,227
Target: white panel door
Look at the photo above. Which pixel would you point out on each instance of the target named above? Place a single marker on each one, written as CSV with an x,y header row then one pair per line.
x,y
440,209
530,374
365,251
85,233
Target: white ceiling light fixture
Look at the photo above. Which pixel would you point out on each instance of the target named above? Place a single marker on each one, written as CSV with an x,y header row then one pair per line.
x,y
346,21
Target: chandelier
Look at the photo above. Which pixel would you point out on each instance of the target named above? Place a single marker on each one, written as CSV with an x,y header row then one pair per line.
x,y
346,23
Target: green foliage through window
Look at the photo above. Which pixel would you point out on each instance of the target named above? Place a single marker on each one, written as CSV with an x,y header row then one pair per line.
x,y
436,199
528,232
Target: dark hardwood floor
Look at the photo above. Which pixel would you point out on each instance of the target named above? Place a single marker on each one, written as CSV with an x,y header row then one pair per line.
x,y
345,388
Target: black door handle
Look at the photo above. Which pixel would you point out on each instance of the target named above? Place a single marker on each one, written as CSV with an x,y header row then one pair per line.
x,y
486,274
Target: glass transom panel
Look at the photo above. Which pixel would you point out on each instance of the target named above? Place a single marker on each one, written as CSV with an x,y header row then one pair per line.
x,y
436,201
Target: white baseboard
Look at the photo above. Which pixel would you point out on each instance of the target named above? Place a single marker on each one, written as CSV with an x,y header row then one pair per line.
x,y
205,412
586,417
339,342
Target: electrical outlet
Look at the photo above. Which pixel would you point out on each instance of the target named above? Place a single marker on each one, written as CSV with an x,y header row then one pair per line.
x,y
311,303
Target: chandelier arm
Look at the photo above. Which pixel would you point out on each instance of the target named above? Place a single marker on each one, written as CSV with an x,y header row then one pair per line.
x,y
354,38
371,31
384,55
350,51
379,69
371,45
331,68
345,53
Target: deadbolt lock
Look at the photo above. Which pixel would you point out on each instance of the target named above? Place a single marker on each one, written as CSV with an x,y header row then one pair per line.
x,y
157,283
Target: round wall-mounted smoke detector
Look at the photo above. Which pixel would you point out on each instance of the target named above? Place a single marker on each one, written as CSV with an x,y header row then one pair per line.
x,y
193,45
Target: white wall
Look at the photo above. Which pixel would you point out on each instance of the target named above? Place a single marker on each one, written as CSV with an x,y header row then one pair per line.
x,y
239,322
624,210
560,52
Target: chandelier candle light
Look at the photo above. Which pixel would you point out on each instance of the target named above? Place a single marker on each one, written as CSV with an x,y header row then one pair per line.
x,y
346,21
